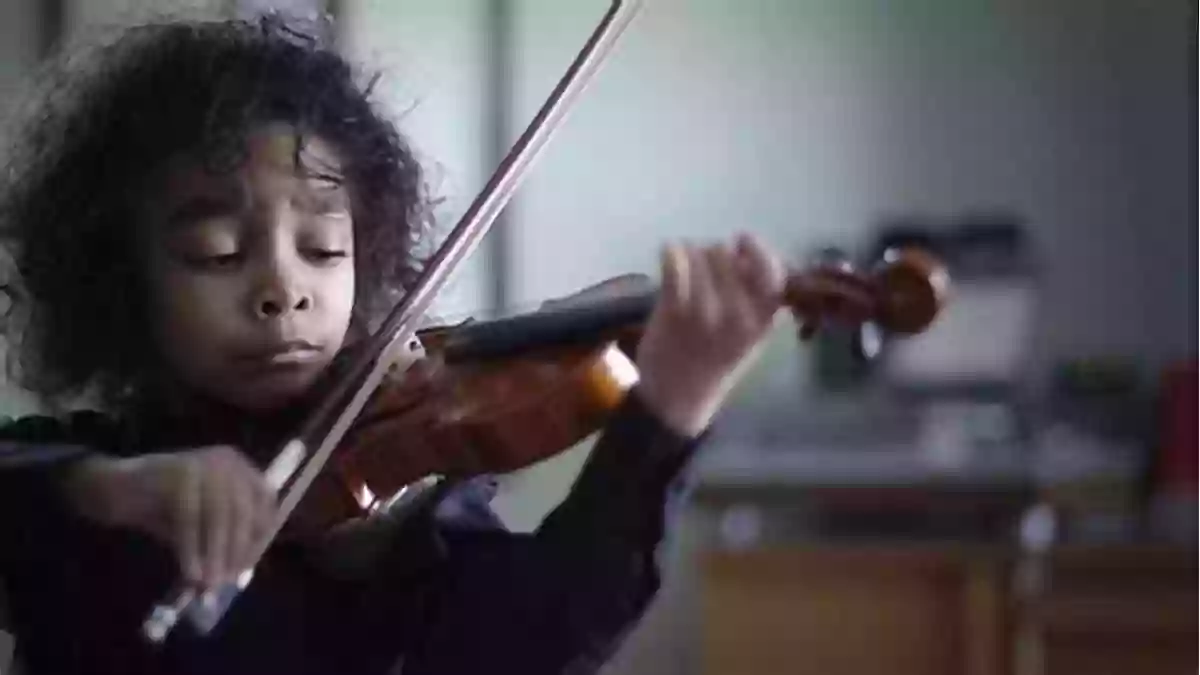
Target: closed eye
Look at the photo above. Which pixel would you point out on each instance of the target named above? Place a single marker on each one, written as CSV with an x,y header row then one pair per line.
x,y
330,206
326,254
215,263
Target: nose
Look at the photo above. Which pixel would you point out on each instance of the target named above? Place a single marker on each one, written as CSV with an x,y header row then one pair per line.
x,y
279,295
274,308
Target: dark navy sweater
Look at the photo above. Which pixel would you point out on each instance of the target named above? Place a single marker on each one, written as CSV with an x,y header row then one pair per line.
x,y
452,591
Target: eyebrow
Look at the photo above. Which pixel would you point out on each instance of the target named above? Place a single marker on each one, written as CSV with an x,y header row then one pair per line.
x,y
322,171
194,209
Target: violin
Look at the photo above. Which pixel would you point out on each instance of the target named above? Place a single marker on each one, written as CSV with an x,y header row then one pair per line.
x,y
492,397
497,396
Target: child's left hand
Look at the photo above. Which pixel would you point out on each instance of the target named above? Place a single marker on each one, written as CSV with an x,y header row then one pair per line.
x,y
715,307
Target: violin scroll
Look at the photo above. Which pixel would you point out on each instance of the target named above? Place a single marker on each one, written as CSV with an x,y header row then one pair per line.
x,y
903,295
913,288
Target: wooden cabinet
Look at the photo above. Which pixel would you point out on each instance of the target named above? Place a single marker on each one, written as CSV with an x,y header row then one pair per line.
x,y
843,611
1112,610
932,610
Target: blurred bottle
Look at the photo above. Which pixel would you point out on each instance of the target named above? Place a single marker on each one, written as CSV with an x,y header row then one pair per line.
x,y
1174,468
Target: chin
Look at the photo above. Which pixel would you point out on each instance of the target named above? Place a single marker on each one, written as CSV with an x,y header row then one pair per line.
x,y
270,394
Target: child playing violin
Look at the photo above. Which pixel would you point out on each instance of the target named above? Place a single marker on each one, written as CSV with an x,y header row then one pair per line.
x,y
202,216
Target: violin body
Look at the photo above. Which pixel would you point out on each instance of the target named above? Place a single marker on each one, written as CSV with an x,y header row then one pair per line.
x,y
465,419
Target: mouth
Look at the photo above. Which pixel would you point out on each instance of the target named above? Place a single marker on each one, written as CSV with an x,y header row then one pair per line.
x,y
281,355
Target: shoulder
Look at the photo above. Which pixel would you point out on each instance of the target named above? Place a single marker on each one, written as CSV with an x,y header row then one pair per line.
x,y
87,427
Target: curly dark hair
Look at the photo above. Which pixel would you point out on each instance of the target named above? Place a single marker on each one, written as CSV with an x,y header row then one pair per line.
x,y
102,130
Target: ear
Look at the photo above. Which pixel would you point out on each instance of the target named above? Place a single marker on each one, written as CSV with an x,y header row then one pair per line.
x,y
626,284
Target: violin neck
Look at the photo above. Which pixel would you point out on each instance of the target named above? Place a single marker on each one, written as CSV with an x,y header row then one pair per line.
x,y
561,327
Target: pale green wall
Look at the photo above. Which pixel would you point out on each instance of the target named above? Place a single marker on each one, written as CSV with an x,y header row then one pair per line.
x,y
807,120
19,30
432,59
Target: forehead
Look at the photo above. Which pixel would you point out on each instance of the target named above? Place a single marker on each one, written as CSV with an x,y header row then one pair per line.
x,y
279,148
271,151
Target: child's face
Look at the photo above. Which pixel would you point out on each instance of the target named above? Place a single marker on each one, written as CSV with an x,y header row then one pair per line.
x,y
251,272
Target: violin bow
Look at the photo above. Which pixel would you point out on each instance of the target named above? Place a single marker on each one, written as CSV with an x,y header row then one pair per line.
x,y
337,410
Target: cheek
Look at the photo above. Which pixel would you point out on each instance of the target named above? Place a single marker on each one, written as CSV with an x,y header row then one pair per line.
x,y
339,298
192,314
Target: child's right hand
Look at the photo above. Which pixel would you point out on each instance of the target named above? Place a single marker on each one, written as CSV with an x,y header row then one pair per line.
x,y
211,505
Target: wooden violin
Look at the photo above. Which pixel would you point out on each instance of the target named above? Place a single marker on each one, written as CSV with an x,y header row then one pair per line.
x,y
492,397
497,396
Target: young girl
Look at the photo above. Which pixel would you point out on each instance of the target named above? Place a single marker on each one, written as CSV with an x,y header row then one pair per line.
x,y
202,216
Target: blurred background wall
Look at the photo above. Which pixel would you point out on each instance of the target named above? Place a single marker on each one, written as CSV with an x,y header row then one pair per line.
x,y
808,121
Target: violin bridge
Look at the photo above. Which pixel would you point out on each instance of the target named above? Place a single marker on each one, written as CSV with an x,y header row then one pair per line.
x,y
402,355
